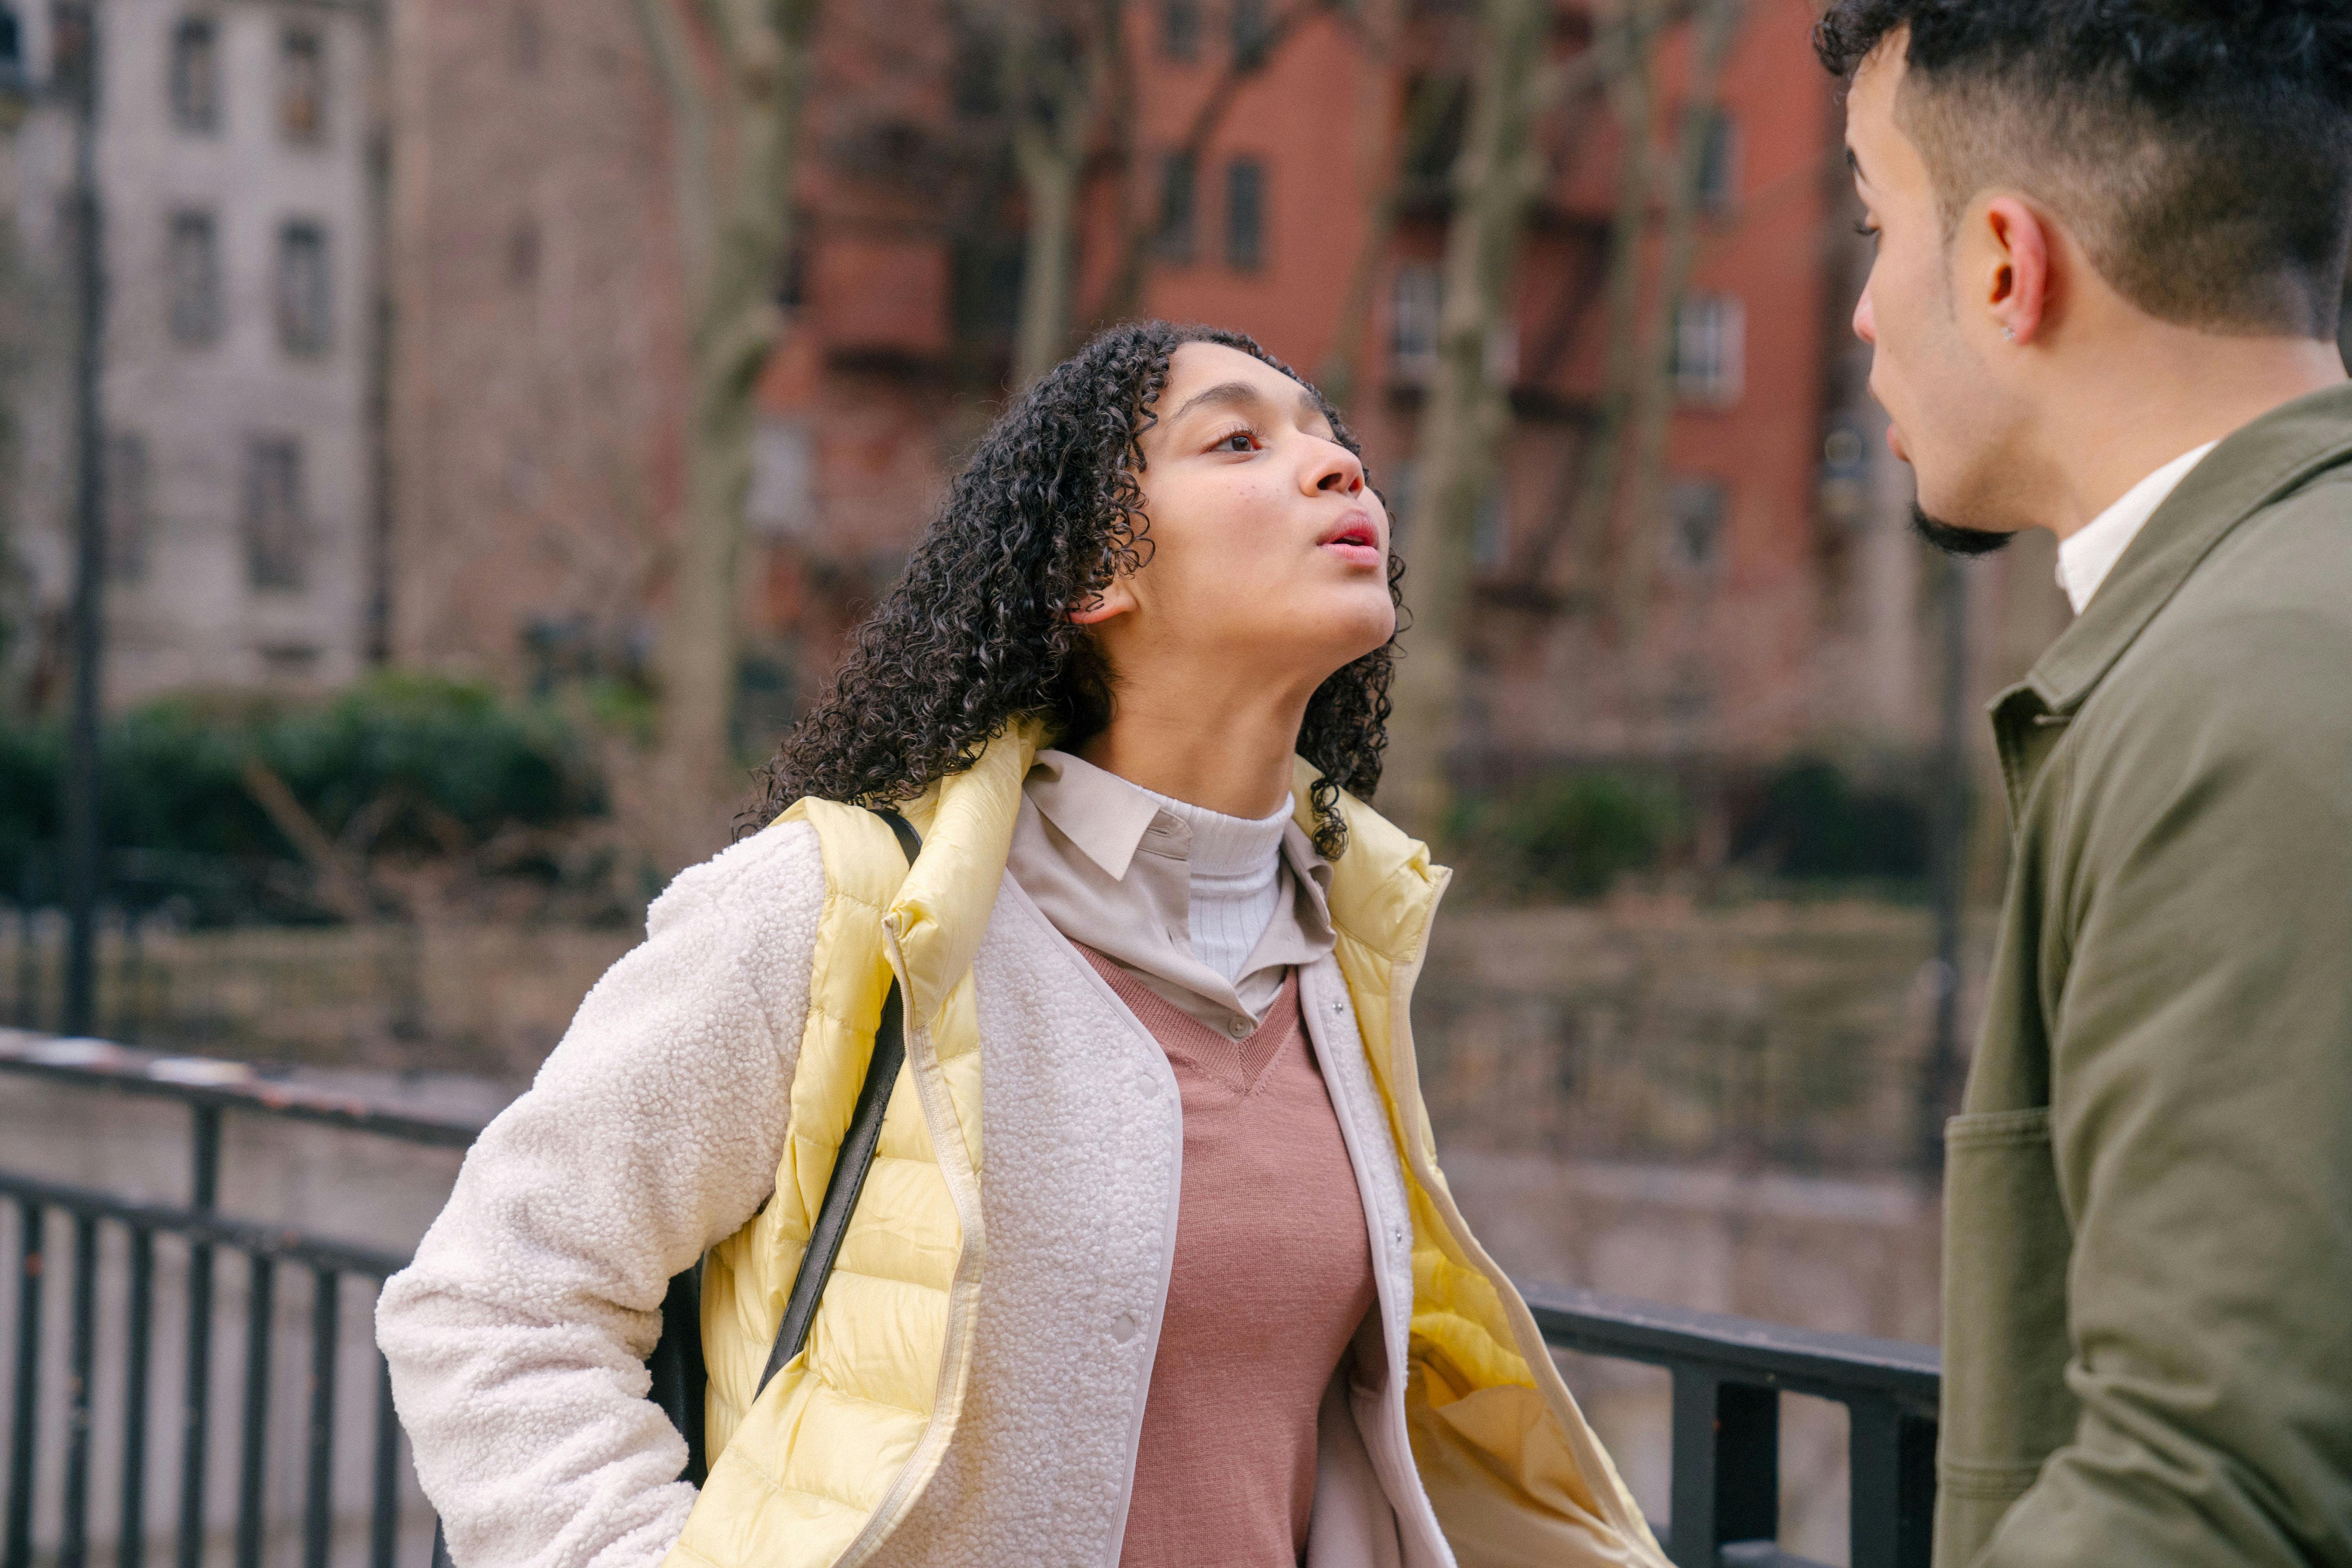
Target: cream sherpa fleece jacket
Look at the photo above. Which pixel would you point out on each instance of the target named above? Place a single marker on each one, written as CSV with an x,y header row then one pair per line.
x,y
516,1339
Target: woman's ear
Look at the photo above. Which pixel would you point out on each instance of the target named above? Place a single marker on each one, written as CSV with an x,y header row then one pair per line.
x,y
1115,599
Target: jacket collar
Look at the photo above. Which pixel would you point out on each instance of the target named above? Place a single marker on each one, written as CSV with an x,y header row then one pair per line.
x,y
2252,468
1382,892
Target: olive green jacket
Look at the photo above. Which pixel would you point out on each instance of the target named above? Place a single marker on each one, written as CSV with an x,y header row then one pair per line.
x,y
2147,1270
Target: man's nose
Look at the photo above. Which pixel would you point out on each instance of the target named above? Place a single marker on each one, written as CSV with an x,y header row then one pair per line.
x,y
1865,320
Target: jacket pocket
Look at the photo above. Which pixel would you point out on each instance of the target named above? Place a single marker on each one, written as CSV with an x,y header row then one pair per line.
x,y
2007,1242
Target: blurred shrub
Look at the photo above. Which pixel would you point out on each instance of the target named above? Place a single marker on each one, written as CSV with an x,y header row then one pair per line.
x,y
1811,820
1569,836
402,761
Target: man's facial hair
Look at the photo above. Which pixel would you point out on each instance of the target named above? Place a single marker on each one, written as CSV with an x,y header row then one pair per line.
x,y
1954,540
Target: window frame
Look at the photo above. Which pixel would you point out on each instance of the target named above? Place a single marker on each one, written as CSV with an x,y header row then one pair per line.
x,y
1253,258
194,112
295,128
196,312
293,339
1176,236
1416,301
277,541
1710,366
1183,24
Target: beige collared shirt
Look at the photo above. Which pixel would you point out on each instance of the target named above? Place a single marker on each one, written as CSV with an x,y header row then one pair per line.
x,y
1109,868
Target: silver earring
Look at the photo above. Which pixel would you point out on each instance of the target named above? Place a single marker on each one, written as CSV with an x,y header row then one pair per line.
x,y
2010,332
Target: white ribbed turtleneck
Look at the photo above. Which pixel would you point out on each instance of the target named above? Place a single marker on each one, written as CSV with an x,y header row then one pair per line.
x,y
1235,865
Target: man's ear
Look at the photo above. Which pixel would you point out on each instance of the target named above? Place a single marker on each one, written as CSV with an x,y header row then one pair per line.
x,y
2018,284
1116,599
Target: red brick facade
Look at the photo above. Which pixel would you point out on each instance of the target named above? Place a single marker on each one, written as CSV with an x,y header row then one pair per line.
x,y
537,455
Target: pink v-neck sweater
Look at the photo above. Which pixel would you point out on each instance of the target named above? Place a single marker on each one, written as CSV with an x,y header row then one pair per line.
x,y
1272,1274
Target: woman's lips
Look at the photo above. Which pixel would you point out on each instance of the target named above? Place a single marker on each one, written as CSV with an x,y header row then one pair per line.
x,y
1354,538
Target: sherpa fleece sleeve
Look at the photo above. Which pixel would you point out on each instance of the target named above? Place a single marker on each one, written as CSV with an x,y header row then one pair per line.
x,y
517,1336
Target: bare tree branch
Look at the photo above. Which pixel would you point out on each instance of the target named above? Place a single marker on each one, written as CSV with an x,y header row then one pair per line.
x,y
1124,294
1424,112
1496,181
737,138
1057,70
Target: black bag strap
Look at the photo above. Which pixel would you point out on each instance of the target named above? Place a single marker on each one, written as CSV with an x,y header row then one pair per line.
x,y
677,1365
853,1162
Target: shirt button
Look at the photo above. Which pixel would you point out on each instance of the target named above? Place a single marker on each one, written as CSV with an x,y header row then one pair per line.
x,y
1238,1028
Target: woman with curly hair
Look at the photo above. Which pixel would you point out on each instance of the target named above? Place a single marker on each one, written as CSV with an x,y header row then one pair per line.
x,y
1152,1263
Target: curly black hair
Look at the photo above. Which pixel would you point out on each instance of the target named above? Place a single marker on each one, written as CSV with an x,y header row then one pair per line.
x,y
2201,148
975,636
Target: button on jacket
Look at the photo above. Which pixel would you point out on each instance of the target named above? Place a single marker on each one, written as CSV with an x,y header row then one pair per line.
x,y
2148,1273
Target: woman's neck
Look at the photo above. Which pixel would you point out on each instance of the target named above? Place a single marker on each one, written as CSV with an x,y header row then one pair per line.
x,y
1236,761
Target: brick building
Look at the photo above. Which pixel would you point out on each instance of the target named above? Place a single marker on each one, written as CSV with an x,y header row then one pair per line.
x,y
539,359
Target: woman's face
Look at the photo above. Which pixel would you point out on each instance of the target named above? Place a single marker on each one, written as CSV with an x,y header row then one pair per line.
x,y
1268,555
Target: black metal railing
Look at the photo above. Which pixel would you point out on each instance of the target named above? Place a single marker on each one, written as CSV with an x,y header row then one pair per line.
x,y
1729,1376
53,1448
1728,1373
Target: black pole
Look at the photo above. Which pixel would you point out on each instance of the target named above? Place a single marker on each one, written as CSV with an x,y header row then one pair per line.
x,y
1947,830
78,74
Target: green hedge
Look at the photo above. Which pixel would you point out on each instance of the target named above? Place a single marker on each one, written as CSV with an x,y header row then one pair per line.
x,y
430,757
1569,836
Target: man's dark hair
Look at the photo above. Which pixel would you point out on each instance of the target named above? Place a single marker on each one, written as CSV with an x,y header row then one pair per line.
x,y
2199,149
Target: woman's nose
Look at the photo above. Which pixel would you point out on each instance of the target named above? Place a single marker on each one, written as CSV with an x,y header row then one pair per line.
x,y
1339,470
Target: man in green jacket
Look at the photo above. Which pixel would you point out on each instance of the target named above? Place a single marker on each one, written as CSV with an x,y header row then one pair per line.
x,y
2112,241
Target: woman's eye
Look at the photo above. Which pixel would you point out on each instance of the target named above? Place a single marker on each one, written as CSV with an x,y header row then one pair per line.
x,y
1868,231
1238,441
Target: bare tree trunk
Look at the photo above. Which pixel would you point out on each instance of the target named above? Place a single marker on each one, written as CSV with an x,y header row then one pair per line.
x,y
1423,114
738,129
1048,259
1124,295
1717,24
1055,77
1496,181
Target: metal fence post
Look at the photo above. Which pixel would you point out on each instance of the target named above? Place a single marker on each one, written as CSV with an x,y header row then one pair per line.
x,y
1726,1466
1891,1460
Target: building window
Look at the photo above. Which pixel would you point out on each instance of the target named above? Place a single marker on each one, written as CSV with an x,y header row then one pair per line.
x,y
1176,204
782,500
193,286
302,86
289,661
303,296
276,526
129,517
1179,30
1697,511
1711,349
1245,213
1251,33
1413,320
195,75
522,253
527,39
1718,166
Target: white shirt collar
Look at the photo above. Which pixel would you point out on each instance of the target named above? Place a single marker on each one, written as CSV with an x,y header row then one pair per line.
x,y
2086,556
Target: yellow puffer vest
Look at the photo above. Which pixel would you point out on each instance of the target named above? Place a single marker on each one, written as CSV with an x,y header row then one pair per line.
x,y
827,1460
